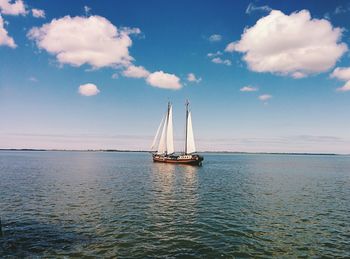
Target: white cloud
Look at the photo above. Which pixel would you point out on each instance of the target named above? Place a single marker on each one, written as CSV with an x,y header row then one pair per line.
x,y
341,73
249,89
218,60
192,78
345,87
265,97
164,80
215,58
85,40
136,72
5,39
38,13
88,89
211,55
12,8
298,75
215,38
230,47
291,45
252,8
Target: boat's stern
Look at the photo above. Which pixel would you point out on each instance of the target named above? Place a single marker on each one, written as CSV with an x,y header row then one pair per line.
x,y
198,158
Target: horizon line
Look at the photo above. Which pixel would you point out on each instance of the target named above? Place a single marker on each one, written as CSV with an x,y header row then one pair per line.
x,y
148,151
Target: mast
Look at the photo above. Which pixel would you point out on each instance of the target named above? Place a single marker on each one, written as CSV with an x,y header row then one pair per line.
x,y
170,132
186,104
166,127
190,146
162,147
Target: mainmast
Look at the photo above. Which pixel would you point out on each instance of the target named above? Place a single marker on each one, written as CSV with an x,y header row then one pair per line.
x,y
169,104
186,104
167,125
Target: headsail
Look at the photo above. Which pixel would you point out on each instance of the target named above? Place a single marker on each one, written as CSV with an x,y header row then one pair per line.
x,y
154,143
190,145
162,141
170,135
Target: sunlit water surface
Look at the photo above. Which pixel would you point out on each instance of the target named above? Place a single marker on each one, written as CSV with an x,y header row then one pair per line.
x,y
62,204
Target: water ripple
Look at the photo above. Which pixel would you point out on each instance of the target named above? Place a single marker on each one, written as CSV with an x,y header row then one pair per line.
x,y
71,204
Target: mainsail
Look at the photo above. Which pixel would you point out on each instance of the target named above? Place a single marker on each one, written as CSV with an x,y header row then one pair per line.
x,y
170,135
190,145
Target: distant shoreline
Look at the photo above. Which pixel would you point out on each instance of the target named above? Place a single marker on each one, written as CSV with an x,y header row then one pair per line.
x,y
146,151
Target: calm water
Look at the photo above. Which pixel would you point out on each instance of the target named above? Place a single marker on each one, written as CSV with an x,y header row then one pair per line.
x,y
56,204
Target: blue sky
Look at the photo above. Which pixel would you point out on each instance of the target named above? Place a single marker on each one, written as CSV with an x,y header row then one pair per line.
x,y
292,55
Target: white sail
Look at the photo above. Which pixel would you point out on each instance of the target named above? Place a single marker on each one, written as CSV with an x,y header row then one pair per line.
x,y
162,147
154,143
170,135
191,147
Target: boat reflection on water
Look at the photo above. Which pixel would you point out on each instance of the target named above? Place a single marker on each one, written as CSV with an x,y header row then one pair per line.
x,y
169,176
175,197
163,177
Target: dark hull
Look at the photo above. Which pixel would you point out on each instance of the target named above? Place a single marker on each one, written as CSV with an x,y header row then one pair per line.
x,y
191,160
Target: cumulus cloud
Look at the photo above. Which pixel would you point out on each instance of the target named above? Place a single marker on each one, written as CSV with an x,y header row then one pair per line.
x,y
345,87
215,38
38,13
158,79
249,89
294,45
164,80
343,74
253,8
95,41
10,7
230,47
5,39
219,60
192,78
92,40
136,72
88,89
265,97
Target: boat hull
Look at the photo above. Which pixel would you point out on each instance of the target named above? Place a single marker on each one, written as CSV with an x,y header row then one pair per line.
x,y
182,159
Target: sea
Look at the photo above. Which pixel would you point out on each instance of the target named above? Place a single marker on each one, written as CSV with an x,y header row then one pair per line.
x,y
122,205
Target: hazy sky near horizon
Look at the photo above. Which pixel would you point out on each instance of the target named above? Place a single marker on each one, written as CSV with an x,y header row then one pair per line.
x,y
269,76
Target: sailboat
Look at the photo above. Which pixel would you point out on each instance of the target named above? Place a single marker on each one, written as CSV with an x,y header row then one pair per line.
x,y
163,143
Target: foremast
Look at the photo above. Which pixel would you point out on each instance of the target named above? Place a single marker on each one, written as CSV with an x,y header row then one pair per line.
x,y
165,130
186,104
170,131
